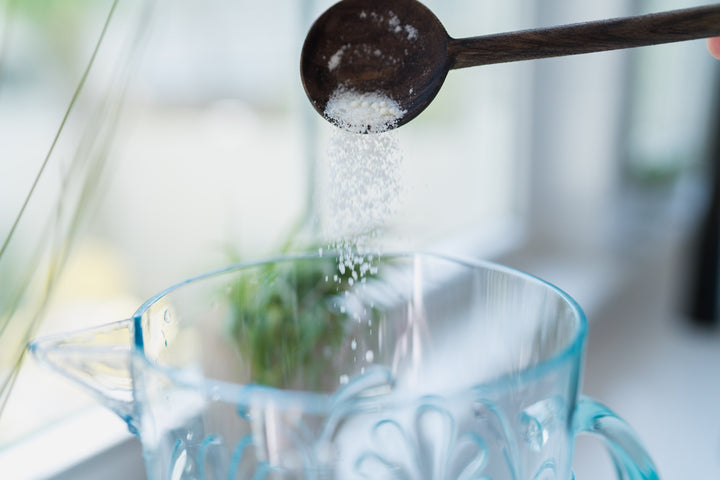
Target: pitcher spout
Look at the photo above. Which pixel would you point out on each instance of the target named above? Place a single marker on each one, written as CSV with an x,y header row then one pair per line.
x,y
99,359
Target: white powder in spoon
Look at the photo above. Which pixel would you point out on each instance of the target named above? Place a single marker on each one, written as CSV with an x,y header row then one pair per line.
x,y
362,112
364,168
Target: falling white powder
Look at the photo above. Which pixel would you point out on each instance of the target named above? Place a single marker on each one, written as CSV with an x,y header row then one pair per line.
x,y
364,189
363,180
364,158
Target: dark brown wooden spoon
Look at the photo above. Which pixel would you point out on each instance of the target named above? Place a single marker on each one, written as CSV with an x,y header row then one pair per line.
x,y
400,49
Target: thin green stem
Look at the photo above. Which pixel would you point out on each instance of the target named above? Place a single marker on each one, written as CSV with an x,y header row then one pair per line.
x,y
6,387
73,100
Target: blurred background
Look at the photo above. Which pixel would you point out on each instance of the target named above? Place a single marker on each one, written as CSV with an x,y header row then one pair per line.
x,y
145,141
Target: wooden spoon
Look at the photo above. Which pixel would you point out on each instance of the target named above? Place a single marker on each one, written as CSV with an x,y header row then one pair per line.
x,y
399,49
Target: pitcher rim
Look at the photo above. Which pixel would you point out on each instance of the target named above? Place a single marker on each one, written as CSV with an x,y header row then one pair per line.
x,y
572,349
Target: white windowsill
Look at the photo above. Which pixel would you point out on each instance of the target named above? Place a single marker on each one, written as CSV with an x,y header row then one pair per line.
x,y
69,443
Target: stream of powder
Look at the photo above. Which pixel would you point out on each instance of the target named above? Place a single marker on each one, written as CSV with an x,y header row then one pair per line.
x,y
364,184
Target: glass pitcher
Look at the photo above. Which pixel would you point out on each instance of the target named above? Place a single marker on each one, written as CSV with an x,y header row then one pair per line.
x,y
407,366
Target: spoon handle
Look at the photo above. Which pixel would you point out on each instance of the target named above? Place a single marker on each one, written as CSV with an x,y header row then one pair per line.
x,y
638,31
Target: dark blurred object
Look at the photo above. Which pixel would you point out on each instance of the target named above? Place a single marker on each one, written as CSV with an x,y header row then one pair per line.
x,y
704,308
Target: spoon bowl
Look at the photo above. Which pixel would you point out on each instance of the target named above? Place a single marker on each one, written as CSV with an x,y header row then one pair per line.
x,y
398,49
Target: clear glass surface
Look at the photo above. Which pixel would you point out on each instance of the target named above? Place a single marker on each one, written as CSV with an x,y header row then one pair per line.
x,y
409,366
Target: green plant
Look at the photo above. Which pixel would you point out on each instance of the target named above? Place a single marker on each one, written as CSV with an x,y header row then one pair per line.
x,y
285,316
39,237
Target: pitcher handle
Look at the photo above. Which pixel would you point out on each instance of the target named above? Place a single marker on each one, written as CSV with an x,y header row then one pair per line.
x,y
631,460
98,359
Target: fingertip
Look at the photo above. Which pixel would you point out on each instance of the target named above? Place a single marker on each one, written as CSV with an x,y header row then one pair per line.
x,y
713,45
